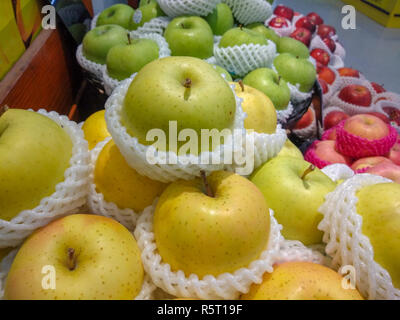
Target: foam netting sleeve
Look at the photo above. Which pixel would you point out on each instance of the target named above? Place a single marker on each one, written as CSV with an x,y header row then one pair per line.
x,y
336,60
93,67
385,103
338,171
69,194
175,8
282,32
146,292
283,115
240,60
225,286
156,25
93,23
168,167
96,202
250,11
163,48
342,227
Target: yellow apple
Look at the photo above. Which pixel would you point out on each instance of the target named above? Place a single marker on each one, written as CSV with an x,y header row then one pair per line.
x,y
261,113
290,150
95,128
213,226
121,184
301,281
379,206
93,257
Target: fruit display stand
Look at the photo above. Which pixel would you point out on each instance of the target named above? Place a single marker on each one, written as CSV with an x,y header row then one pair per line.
x,y
304,186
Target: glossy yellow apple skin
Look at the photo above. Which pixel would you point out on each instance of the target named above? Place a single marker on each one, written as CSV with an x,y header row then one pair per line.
x,y
379,206
290,150
301,281
203,235
261,113
95,128
34,154
121,184
108,261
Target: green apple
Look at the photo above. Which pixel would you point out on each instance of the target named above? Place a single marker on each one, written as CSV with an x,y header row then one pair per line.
x,y
211,232
98,41
190,36
126,59
240,36
183,89
119,14
146,2
379,206
221,19
34,154
223,71
290,150
296,70
301,281
94,258
145,13
274,87
266,32
294,47
295,190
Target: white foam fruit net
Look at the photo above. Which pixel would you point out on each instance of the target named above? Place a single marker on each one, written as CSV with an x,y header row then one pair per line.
x,y
342,227
283,115
68,197
93,67
224,286
338,171
250,11
158,165
175,8
156,25
240,60
110,83
96,202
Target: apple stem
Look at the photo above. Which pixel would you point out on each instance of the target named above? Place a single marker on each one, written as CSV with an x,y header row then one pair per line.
x,y
3,109
241,26
209,191
129,39
310,169
188,85
241,85
71,260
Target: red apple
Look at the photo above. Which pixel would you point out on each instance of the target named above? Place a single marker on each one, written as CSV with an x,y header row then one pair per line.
x,y
325,150
306,120
278,22
330,44
315,18
285,12
327,74
393,113
394,153
324,86
378,88
356,94
349,72
366,126
321,56
302,35
380,116
369,162
306,23
325,31
333,118
387,170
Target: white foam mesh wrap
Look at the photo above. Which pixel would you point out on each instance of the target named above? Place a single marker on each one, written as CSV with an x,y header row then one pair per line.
x,y
250,11
175,8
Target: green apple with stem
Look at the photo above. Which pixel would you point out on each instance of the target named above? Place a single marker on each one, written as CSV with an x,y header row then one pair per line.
x,y
126,59
221,19
296,70
212,225
119,14
94,258
379,207
294,47
295,190
145,13
190,36
98,42
271,84
266,32
223,71
182,89
240,36
35,151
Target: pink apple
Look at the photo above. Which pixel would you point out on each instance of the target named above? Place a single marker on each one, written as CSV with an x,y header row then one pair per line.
x,y
315,18
387,170
302,35
380,116
357,95
325,150
366,126
333,118
306,23
331,135
369,162
285,12
278,23
325,31
394,153
321,56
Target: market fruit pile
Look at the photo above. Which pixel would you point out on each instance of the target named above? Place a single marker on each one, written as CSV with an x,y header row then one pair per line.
x,y
140,204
